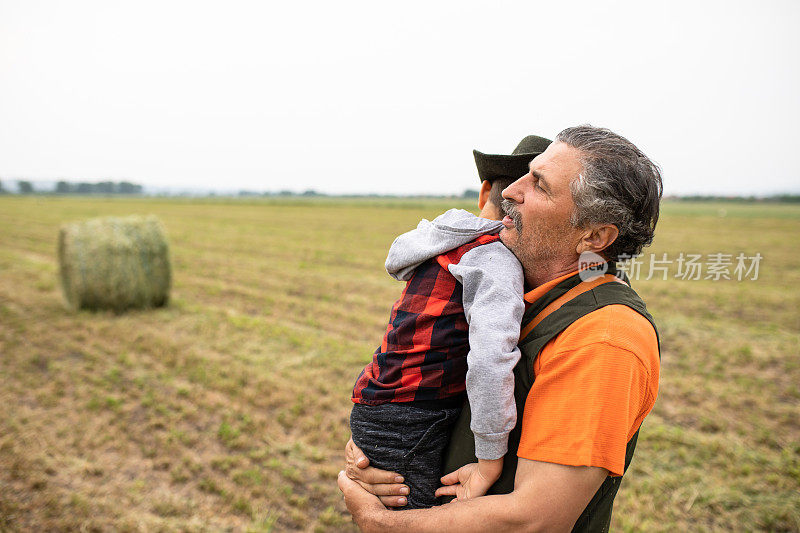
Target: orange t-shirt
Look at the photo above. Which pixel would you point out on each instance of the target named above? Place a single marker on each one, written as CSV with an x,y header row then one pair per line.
x,y
595,383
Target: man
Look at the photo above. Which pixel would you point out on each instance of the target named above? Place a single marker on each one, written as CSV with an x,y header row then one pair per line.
x,y
590,365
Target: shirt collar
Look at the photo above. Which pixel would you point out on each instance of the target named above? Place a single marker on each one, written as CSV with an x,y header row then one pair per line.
x,y
533,295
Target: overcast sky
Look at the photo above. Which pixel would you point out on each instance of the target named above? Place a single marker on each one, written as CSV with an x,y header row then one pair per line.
x,y
362,97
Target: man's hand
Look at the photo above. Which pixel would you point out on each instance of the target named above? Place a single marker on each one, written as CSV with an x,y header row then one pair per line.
x,y
363,506
388,486
472,480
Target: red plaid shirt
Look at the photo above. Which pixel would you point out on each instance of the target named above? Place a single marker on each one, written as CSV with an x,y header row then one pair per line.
x,y
424,351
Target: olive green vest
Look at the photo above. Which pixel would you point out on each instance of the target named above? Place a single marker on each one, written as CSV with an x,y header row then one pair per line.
x,y
461,450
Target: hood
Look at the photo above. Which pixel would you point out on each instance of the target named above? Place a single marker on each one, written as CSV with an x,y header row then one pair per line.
x,y
434,237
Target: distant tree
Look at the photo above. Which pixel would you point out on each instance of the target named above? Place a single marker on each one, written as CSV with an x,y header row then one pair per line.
x,y
62,187
2,190
470,193
25,187
310,192
285,193
126,187
794,198
84,188
105,187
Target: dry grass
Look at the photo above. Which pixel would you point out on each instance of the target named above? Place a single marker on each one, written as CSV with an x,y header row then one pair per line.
x,y
227,410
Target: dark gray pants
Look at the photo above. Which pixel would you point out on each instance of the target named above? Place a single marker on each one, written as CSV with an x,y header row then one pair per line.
x,y
408,440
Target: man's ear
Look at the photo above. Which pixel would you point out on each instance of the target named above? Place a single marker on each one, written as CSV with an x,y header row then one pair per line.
x,y
597,239
483,195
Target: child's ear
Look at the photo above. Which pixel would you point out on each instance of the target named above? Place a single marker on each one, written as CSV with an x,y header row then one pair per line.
x,y
483,195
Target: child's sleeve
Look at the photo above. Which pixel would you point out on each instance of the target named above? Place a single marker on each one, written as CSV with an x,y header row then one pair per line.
x,y
492,282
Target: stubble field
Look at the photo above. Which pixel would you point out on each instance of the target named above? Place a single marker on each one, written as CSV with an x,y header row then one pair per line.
x,y
227,410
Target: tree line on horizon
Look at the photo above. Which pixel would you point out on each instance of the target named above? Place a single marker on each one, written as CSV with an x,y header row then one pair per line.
x,y
128,188
65,187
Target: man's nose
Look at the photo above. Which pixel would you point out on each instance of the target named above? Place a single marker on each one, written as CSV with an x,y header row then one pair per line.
x,y
514,191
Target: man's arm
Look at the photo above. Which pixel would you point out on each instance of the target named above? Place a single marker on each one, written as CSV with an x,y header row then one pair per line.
x,y
546,497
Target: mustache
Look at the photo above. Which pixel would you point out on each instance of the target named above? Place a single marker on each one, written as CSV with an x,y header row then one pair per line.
x,y
510,209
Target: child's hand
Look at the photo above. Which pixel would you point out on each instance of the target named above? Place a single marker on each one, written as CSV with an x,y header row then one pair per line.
x,y
472,480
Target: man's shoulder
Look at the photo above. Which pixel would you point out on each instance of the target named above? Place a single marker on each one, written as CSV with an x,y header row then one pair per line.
x,y
617,326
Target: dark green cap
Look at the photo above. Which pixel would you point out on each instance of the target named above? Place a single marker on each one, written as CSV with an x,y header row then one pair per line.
x,y
493,166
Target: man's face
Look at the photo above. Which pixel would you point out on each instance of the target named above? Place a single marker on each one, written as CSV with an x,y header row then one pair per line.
x,y
540,204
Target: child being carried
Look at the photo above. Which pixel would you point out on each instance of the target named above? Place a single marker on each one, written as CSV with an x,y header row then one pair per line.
x,y
454,330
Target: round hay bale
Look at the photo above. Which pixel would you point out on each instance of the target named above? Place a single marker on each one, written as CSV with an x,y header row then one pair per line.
x,y
114,263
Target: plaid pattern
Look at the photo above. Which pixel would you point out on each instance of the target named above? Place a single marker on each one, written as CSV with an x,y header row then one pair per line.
x,y
424,351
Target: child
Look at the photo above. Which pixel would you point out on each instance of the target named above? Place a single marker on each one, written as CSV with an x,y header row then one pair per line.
x,y
455,328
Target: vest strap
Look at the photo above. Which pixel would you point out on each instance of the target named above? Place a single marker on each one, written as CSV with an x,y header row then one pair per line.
x,y
566,297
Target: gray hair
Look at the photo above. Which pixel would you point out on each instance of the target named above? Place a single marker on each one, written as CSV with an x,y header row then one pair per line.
x,y
618,185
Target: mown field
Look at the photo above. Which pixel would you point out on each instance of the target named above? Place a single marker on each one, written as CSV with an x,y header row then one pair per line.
x,y
227,410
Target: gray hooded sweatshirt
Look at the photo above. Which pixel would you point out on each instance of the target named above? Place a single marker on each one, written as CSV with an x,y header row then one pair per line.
x,y
492,281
